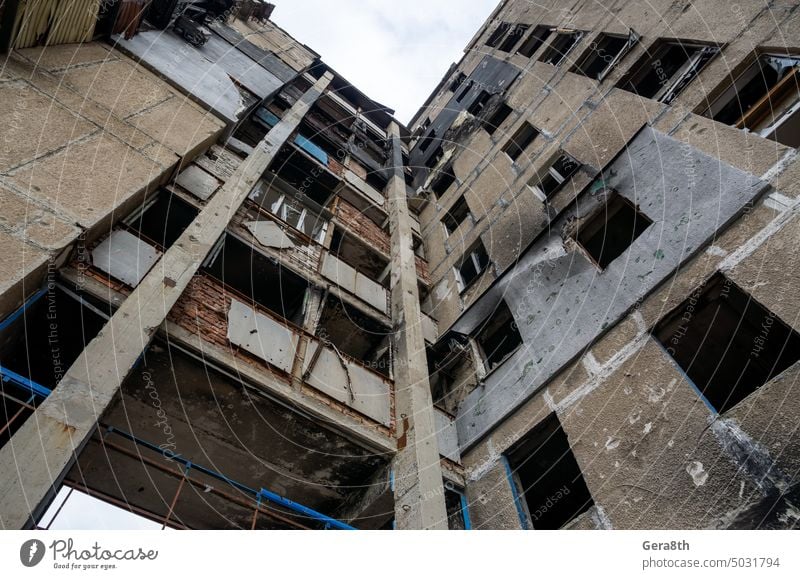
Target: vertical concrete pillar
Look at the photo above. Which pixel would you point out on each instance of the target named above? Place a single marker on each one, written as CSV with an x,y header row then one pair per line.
x,y
34,462
313,310
418,485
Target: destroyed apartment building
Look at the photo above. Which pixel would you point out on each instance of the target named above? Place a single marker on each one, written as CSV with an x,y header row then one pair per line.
x,y
238,293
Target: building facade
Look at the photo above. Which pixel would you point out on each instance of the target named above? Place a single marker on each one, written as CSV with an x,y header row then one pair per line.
x,y
240,294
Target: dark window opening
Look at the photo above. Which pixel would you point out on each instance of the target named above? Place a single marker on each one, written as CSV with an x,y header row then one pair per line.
x,y
513,37
426,141
473,265
498,34
164,220
498,116
535,39
44,342
457,214
259,278
305,175
359,256
499,336
377,181
667,69
457,82
764,99
560,47
606,235
728,344
555,176
520,141
456,521
443,181
549,476
605,52
477,106
356,335
464,92
434,159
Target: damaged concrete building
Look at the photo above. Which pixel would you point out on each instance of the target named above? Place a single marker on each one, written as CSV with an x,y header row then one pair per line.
x,y
239,293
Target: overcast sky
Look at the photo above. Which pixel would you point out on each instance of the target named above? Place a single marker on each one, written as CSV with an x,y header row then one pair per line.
x,y
395,51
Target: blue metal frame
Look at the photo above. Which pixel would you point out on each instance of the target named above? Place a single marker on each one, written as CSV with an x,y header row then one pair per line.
x,y
7,375
465,512
523,519
330,523
11,318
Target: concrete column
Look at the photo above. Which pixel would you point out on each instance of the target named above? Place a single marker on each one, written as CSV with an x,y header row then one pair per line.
x,y
418,486
311,318
34,462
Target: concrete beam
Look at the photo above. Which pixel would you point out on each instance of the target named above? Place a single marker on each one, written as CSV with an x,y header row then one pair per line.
x,y
418,485
36,459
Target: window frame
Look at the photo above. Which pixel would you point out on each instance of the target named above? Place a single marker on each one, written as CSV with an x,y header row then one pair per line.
x,y
535,184
594,49
471,254
551,51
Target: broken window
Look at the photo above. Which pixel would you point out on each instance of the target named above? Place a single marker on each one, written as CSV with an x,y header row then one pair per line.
x,y
498,116
554,177
162,220
356,335
498,337
604,53
728,344
358,255
257,277
426,141
456,505
548,476
457,82
435,157
458,213
513,37
520,141
668,67
477,106
560,47
304,175
535,39
443,181
472,265
764,99
611,230
297,211
498,34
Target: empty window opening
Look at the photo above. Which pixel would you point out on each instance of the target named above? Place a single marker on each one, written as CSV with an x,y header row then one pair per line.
x,y
513,37
524,136
257,277
443,181
305,175
728,344
474,263
43,342
535,39
162,220
560,47
498,337
435,157
548,476
477,106
497,117
668,67
465,91
356,334
554,178
457,214
604,53
456,507
358,255
611,230
498,34
764,99
426,141
457,82
297,211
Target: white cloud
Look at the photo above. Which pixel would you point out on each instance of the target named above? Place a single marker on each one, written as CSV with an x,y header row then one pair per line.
x,y
394,51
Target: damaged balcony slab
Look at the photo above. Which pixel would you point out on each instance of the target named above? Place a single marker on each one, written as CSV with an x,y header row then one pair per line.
x,y
577,302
